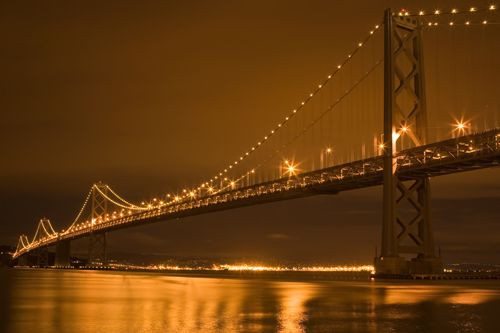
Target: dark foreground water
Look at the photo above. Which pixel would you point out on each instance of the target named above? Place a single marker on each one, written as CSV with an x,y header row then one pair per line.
x,y
41,301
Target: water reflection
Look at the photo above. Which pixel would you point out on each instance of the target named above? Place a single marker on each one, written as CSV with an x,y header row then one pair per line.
x,y
70,301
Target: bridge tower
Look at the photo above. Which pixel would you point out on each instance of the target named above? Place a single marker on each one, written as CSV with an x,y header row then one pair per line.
x,y
406,226
97,239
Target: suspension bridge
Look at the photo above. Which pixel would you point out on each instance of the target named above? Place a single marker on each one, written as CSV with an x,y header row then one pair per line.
x,y
379,118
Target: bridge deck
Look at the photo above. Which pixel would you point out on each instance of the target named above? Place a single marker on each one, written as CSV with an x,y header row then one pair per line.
x,y
471,152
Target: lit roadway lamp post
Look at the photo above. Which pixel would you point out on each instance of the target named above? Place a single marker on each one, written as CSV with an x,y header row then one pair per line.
x,y
325,160
381,147
290,169
461,128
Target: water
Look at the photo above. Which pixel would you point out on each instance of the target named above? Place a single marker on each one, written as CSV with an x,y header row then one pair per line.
x,y
93,301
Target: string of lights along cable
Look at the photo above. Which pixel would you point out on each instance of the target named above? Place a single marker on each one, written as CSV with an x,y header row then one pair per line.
x,y
334,135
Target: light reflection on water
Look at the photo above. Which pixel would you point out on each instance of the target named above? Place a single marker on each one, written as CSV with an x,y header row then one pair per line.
x,y
89,301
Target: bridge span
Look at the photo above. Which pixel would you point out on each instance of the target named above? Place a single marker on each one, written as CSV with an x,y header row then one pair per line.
x,y
376,98
465,153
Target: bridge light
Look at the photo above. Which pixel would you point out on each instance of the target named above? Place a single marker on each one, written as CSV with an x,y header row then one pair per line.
x,y
437,12
472,9
290,169
460,126
404,128
467,22
485,22
421,13
492,7
454,11
328,150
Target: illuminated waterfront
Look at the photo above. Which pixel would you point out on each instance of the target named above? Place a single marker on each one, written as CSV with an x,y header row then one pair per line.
x,y
91,301
249,267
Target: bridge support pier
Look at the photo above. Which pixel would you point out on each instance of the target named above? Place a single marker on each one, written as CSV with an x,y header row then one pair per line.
x,y
407,229
42,257
97,249
63,253
406,202
23,260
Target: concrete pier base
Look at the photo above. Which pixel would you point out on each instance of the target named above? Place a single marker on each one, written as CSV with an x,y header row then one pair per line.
x,y
42,257
23,260
398,266
63,253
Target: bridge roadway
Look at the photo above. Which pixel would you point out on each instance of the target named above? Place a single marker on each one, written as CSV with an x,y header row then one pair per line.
x,y
466,153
